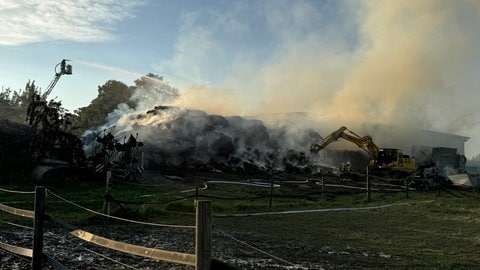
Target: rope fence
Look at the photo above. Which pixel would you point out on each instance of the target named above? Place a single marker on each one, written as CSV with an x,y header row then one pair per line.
x,y
254,248
334,189
200,260
101,255
118,218
203,228
17,191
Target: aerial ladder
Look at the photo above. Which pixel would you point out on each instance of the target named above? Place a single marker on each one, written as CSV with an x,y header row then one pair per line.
x,y
48,121
65,69
39,109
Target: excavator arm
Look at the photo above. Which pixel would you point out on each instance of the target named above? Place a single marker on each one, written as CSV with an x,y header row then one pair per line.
x,y
363,142
315,148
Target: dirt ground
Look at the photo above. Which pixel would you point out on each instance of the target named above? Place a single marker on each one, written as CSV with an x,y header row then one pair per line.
x,y
231,250
75,254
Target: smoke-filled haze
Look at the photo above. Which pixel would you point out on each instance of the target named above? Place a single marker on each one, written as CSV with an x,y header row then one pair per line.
x,y
397,62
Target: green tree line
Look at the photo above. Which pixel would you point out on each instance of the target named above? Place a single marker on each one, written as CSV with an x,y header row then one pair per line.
x,y
14,104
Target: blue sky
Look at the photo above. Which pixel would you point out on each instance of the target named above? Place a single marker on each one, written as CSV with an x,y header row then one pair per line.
x,y
187,42
348,62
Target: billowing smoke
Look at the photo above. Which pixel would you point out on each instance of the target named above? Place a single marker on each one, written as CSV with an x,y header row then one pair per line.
x,y
187,138
410,63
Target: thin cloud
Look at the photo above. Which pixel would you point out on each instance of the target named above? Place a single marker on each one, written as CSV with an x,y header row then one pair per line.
x,y
27,21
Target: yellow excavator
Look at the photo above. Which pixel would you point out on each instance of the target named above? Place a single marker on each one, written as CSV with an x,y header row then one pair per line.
x,y
386,161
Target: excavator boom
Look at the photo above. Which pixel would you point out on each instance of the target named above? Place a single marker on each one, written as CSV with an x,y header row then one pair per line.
x,y
363,142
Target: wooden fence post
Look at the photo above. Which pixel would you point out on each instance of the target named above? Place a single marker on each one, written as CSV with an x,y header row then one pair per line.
x,y
106,202
439,183
407,182
368,187
271,195
196,187
37,253
323,189
203,235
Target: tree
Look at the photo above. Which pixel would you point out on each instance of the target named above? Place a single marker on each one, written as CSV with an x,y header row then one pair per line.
x,y
152,91
5,104
109,96
14,104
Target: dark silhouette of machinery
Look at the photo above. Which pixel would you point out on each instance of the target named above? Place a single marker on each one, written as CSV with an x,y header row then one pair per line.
x,y
50,124
59,153
120,158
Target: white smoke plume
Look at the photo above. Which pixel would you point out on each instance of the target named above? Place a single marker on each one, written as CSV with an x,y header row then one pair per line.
x,y
407,63
178,136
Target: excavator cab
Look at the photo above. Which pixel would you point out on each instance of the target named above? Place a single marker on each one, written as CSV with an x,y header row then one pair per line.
x,y
390,158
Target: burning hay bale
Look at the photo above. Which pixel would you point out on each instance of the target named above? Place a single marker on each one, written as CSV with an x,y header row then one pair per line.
x,y
177,137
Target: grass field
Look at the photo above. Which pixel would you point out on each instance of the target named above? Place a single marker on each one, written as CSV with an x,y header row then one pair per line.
x,y
438,234
426,230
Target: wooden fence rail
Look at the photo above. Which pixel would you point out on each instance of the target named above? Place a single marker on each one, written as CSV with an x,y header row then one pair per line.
x,y
200,260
